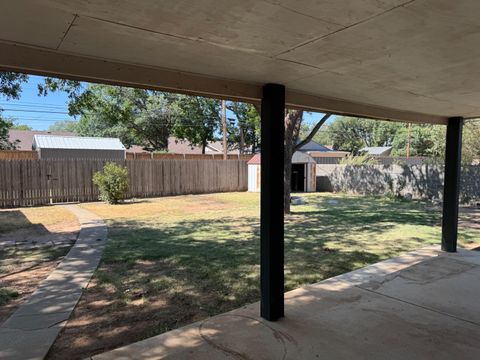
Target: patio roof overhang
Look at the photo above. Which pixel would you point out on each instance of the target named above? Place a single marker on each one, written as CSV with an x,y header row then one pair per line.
x,y
395,59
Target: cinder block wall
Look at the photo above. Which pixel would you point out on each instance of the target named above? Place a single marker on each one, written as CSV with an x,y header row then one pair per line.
x,y
421,181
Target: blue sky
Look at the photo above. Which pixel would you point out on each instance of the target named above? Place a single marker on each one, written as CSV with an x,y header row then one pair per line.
x,y
39,112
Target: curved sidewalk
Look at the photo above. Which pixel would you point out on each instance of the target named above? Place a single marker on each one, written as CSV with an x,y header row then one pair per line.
x,y
31,330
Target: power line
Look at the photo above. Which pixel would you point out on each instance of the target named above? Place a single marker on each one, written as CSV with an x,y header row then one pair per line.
x,y
36,111
57,107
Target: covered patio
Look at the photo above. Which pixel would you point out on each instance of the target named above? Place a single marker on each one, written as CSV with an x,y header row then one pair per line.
x,y
418,306
411,61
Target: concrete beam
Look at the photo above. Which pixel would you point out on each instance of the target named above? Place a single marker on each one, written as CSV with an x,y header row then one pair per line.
x,y
41,61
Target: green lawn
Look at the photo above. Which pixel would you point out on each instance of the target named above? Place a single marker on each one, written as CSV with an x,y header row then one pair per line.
x,y
171,261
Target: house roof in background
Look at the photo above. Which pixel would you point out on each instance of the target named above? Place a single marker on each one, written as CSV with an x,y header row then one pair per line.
x,y
76,142
297,158
314,146
177,146
25,137
376,150
255,160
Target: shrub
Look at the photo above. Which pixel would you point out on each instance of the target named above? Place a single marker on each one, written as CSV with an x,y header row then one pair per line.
x,y
112,182
358,160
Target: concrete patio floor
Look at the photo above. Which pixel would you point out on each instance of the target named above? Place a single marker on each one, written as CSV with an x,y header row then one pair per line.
x,y
422,305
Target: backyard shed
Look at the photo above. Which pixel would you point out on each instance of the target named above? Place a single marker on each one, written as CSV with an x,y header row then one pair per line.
x,y
303,173
76,147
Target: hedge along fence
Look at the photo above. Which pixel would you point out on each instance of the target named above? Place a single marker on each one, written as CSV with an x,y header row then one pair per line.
x,y
421,181
40,182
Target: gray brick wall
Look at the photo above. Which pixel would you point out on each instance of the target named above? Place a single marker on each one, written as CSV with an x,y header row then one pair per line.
x,y
421,181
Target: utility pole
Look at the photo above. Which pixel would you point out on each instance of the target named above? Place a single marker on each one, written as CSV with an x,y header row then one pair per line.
x,y
242,141
224,125
409,131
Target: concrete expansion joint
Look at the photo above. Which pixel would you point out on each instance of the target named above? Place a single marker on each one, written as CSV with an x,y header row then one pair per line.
x,y
418,305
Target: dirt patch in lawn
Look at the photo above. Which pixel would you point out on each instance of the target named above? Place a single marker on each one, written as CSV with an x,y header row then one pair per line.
x,y
33,241
39,235
21,283
469,218
109,316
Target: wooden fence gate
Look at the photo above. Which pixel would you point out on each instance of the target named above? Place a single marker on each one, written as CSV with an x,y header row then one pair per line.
x,y
40,182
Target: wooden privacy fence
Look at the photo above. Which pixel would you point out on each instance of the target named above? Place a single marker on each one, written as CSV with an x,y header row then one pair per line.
x,y
162,156
18,155
40,182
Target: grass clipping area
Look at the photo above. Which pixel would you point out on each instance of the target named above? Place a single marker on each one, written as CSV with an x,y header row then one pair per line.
x,y
175,260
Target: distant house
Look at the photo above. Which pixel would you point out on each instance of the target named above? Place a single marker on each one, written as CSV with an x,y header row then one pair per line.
x,y
76,147
376,150
23,139
178,146
320,152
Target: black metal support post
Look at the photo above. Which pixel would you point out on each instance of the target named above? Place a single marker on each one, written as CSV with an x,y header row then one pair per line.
x,y
453,156
271,198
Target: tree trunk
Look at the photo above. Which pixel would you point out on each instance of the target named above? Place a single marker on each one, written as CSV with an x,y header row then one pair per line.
x,y
242,141
293,121
287,180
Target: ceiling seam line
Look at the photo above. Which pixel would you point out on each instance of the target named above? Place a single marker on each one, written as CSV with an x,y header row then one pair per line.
x,y
181,37
344,28
300,13
66,32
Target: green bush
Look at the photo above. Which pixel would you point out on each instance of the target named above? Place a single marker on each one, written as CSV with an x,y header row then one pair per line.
x,y
358,160
112,182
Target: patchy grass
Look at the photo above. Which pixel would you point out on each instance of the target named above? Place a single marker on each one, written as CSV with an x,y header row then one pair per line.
x,y
45,216
27,255
175,260
7,294
13,259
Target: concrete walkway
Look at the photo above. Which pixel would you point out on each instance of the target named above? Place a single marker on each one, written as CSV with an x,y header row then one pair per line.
x,y
423,305
31,330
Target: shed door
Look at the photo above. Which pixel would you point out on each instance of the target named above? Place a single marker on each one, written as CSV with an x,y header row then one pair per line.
x,y
298,177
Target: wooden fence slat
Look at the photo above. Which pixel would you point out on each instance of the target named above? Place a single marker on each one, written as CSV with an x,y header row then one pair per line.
x,y
41,182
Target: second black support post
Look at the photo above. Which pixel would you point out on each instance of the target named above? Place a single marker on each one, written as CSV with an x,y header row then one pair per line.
x,y
451,188
271,202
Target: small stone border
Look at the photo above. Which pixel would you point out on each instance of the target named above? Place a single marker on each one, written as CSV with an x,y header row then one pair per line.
x,y
31,330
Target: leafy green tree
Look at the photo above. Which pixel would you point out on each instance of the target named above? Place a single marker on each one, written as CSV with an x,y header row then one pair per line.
x,y
65,126
197,119
425,140
5,143
352,134
136,116
20,127
11,84
79,94
10,88
471,142
246,132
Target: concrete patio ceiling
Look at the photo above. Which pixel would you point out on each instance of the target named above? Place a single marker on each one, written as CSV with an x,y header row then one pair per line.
x,y
415,60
